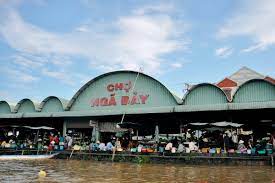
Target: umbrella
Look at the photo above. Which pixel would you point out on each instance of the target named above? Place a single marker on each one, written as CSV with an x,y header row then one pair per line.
x,y
198,124
39,127
212,129
225,124
129,125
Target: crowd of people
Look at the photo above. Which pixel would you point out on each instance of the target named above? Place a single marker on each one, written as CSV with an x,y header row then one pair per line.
x,y
192,141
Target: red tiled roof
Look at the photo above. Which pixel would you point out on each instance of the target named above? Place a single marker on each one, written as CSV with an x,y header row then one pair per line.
x,y
270,79
226,83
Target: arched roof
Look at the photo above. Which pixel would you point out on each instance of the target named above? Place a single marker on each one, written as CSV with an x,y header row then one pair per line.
x,y
26,105
205,93
255,90
88,84
53,104
4,107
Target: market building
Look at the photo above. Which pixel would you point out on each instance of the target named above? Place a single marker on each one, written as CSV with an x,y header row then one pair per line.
x,y
126,96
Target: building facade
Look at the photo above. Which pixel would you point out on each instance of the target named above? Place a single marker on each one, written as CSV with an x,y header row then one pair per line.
x,y
128,96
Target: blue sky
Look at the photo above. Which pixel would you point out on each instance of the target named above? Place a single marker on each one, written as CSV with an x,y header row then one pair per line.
x,y
54,47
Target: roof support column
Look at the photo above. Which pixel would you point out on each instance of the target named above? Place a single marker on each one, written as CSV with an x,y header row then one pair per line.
x,y
64,128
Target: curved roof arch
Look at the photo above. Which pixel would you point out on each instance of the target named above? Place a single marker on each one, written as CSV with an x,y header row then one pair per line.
x,y
26,105
5,107
203,94
53,104
175,99
255,90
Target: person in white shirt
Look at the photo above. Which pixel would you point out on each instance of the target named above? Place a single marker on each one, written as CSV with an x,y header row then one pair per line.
x,y
235,138
102,146
181,148
192,146
169,146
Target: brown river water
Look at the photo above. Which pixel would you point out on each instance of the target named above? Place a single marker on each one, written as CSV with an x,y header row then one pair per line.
x,y
94,171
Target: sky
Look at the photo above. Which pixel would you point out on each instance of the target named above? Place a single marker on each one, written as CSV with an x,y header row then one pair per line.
x,y
52,48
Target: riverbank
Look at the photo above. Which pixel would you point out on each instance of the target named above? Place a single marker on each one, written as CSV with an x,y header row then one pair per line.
x,y
182,158
188,158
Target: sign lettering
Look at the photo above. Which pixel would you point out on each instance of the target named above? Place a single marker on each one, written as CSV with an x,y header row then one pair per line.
x,y
126,99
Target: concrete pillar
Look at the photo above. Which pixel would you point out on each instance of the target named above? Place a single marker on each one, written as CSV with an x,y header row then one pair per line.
x,y
97,136
64,128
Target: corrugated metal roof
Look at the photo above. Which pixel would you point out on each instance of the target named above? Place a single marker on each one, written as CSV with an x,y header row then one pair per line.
x,y
245,74
63,102
146,79
29,106
251,105
205,94
193,108
166,109
36,115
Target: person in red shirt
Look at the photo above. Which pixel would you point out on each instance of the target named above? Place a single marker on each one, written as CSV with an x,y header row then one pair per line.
x,y
56,139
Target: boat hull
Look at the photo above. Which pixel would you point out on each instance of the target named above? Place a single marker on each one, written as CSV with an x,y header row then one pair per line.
x,y
27,157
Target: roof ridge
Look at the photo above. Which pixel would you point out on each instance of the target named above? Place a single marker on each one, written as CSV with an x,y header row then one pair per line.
x,y
245,68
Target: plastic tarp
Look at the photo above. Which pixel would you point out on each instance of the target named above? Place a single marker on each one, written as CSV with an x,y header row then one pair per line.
x,y
31,127
225,124
217,124
198,124
39,127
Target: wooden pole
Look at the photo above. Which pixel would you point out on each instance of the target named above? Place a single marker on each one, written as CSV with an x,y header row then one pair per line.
x,y
122,119
71,153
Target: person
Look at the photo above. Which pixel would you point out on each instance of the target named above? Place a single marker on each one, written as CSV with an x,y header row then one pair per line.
x,y
61,142
192,146
118,145
102,146
168,146
226,141
56,142
69,141
51,137
56,139
94,146
139,147
175,142
273,140
181,148
51,145
234,138
188,135
250,144
241,146
109,146
3,144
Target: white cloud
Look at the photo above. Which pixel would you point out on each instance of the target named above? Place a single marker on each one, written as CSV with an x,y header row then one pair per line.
x,y
19,76
28,61
60,75
82,28
140,39
254,19
163,8
65,77
223,52
3,94
176,65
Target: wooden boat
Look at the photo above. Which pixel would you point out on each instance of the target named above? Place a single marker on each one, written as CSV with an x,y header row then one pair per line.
x,y
28,157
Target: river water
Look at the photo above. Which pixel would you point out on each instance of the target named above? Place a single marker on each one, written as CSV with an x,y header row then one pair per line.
x,y
94,171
